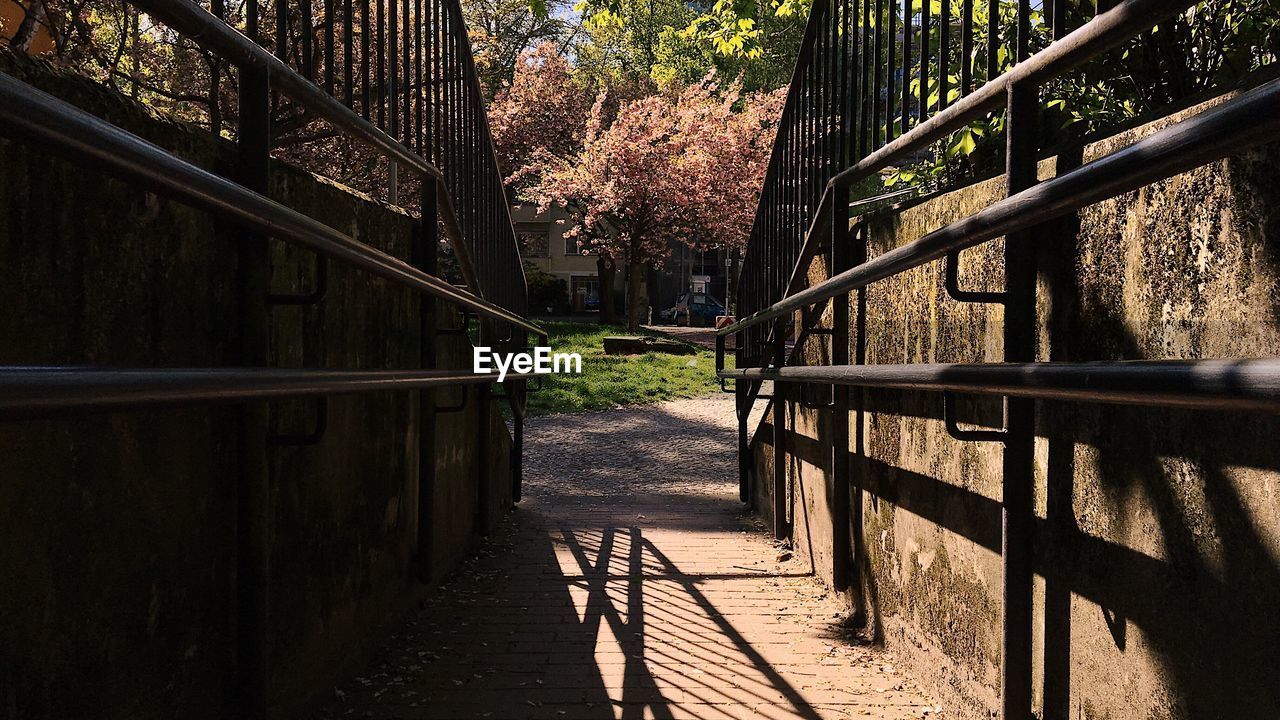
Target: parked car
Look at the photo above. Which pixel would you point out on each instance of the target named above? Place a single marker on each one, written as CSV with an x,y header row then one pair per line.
x,y
694,309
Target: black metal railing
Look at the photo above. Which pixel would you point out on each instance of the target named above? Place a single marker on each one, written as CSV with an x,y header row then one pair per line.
x,y
428,119
412,96
850,113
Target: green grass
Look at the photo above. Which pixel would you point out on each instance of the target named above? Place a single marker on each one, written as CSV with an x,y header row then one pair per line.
x,y
611,380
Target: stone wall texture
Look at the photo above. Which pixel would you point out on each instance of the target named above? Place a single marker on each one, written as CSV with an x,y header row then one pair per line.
x,y
1157,542
117,530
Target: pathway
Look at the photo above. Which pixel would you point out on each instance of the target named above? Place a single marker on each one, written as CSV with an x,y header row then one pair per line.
x,y
629,584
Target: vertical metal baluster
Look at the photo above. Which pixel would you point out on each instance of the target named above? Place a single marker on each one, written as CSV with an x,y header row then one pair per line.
x,y
406,113
380,44
906,64
365,98
993,39
870,61
348,53
308,28
966,48
944,57
1059,14
393,81
890,69
848,97
437,84
328,46
1024,31
419,96
923,113
282,30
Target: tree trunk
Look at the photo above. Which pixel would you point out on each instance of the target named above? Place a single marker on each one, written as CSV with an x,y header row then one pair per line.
x,y
605,270
29,26
637,299
651,285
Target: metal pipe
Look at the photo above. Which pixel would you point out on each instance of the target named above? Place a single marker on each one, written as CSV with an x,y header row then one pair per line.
x,y
1242,122
1241,384
31,392
63,127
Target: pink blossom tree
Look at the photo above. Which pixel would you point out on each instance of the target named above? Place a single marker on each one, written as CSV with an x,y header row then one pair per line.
x,y
686,168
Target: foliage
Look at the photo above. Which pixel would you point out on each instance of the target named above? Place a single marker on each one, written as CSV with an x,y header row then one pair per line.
x,y
547,293
608,381
674,43
502,31
541,111
1212,45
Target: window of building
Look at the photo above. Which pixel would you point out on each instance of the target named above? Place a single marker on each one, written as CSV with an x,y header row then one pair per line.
x,y
534,240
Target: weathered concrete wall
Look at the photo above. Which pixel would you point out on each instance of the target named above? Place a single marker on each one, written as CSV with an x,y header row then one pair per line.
x,y
1157,533
116,531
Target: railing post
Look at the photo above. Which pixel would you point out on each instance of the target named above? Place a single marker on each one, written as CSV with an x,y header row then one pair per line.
x,y
1018,462
519,391
427,257
483,491
742,397
840,261
780,530
253,492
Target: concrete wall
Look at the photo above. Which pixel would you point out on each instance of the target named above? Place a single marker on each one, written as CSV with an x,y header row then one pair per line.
x,y
1157,532
116,531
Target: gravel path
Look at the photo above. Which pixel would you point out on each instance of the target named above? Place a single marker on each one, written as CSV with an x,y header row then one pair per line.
x,y
630,584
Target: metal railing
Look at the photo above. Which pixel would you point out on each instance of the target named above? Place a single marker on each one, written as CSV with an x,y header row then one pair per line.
x,y
431,123
844,121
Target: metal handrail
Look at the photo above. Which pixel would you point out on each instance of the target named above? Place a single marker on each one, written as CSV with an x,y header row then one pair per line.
x,y
1238,124
220,38
1105,32
64,127
1240,385
37,392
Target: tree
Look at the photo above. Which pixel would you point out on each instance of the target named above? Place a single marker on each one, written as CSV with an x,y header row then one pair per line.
x,y
541,112
668,169
503,30
674,44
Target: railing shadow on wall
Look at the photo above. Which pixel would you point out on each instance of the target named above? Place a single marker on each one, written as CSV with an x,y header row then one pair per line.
x,y
841,126
441,114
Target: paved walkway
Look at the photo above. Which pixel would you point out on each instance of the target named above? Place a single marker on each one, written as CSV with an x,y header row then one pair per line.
x,y
629,584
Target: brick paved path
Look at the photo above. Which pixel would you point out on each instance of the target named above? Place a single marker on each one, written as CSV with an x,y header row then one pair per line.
x,y
629,584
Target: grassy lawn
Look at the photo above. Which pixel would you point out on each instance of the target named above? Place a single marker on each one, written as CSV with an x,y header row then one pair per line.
x,y
611,380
